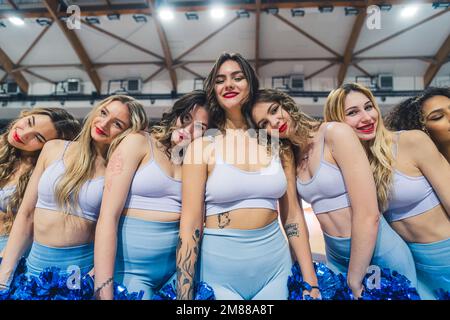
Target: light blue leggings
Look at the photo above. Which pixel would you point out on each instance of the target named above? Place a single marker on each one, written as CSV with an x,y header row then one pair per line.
x,y
41,257
390,252
3,241
433,267
246,264
146,254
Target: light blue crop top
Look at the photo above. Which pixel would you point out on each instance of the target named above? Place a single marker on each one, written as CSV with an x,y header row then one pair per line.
x,y
326,190
410,196
90,196
229,188
5,193
152,189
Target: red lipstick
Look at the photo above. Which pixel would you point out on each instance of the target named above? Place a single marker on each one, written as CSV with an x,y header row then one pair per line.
x,y
16,137
230,95
100,131
367,129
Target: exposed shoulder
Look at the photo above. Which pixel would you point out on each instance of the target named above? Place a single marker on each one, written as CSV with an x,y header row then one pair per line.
x,y
52,150
413,137
133,146
338,131
416,142
55,146
135,138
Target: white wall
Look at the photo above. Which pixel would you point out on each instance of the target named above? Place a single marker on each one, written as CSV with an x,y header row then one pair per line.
x,y
155,110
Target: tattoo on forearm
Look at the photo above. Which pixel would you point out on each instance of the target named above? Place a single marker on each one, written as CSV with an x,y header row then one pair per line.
x,y
115,166
187,256
292,230
224,219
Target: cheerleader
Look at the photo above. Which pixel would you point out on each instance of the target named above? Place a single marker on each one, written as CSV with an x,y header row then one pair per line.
x,y
334,175
138,227
20,146
411,177
429,112
60,228
231,186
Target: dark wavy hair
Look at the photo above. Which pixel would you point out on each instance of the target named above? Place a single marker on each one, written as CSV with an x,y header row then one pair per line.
x,y
163,130
408,115
304,125
217,113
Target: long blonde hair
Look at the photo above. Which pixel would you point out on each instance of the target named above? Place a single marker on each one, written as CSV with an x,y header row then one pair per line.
x,y
82,168
379,150
304,124
67,127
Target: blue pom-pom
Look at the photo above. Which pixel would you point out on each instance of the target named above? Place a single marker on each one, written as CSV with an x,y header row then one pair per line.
x,y
442,294
52,284
330,284
121,293
167,292
393,286
202,292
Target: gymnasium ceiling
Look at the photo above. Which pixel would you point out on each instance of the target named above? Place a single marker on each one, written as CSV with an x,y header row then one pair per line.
x,y
320,45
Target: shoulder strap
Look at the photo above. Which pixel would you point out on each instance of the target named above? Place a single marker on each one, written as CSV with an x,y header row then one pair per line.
x,y
395,144
152,150
323,141
66,145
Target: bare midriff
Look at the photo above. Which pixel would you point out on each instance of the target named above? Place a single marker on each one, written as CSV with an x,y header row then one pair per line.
x,y
337,223
245,218
58,229
428,227
150,215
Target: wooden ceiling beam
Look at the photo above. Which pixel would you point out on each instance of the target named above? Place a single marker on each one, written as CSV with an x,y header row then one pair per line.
x,y
192,72
52,7
125,41
39,76
164,44
13,5
139,9
320,70
33,44
316,41
8,66
440,58
257,35
154,74
367,74
351,43
396,34
198,44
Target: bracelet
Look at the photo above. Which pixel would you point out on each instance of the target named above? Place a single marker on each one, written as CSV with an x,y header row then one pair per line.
x,y
104,284
308,287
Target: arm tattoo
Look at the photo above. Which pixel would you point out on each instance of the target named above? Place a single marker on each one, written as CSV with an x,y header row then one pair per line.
x,y
187,254
115,166
224,219
291,230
